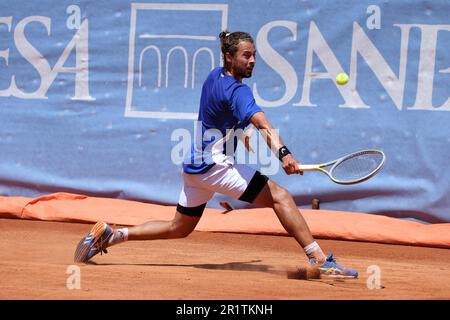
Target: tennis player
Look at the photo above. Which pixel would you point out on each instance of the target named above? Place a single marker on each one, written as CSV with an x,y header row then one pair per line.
x,y
226,105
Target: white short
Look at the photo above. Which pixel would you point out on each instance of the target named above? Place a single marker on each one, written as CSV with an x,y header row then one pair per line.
x,y
229,179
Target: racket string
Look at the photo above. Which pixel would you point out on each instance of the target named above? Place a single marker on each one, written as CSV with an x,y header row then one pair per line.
x,y
356,167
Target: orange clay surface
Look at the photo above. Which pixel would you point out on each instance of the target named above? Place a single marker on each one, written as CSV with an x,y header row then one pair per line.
x,y
37,262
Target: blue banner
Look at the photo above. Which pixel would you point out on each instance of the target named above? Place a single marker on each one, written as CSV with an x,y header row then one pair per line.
x,y
101,97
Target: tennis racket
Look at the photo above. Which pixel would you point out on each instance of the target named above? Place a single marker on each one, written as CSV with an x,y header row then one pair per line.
x,y
352,168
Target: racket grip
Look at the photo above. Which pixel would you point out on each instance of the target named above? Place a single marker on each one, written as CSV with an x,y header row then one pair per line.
x,y
308,167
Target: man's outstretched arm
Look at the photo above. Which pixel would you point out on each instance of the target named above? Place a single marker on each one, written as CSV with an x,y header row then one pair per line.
x,y
274,142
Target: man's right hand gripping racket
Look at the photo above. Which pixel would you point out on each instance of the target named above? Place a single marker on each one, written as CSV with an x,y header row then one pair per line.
x,y
352,168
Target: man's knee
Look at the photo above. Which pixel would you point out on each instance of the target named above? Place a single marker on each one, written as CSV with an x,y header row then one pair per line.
x,y
280,194
179,230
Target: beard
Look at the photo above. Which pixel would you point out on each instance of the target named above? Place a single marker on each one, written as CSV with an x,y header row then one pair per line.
x,y
244,72
248,74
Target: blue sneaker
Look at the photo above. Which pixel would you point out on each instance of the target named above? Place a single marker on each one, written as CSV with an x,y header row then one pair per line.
x,y
94,242
331,269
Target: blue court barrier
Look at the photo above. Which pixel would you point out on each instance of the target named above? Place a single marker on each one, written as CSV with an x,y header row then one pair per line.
x,y
98,97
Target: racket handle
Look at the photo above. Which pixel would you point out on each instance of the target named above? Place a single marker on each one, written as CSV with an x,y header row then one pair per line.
x,y
308,167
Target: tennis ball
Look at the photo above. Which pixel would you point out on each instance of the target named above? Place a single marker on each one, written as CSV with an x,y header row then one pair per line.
x,y
342,78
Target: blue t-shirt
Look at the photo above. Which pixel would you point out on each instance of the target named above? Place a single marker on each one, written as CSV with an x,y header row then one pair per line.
x,y
226,105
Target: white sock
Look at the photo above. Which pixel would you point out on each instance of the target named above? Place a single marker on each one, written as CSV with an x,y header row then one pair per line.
x,y
311,248
119,235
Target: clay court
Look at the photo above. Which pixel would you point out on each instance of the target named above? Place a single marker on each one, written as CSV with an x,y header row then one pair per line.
x,y
36,256
127,112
